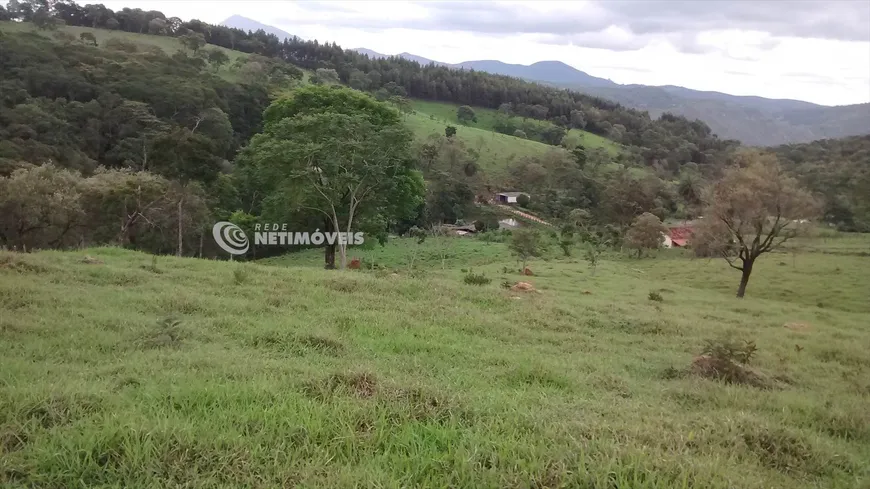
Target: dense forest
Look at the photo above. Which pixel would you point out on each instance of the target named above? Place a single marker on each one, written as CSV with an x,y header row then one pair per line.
x,y
118,142
839,171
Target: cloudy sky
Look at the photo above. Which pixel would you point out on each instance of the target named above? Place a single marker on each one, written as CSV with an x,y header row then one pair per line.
x,y
814,51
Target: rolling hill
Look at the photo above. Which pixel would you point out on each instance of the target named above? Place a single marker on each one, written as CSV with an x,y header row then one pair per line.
x,y
752,120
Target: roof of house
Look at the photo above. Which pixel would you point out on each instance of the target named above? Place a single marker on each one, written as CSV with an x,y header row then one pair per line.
x,y
680,235
512,194
680,232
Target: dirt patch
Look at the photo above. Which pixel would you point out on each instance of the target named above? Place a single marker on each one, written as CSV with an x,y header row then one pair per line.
x,y
728,371
800,327
523,287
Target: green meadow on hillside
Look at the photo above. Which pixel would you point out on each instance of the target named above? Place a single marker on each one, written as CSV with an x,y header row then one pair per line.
x,y
122,370
497,151
486,120
168,44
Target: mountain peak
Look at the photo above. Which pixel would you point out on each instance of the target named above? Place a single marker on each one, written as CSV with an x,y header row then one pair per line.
x,y
246,24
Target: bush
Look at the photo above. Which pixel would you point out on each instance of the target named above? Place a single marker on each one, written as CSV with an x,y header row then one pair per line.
x,y
240,276
476,279
726,360
731,351
655,296
523,201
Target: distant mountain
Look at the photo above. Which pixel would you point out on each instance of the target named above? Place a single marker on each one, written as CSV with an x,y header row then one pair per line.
x,y
247,24
370,53
408,56
555,72
753,120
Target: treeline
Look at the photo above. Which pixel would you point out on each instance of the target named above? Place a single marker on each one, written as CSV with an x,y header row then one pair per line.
x,y
82,107
670,141
839,171
118,143
51,207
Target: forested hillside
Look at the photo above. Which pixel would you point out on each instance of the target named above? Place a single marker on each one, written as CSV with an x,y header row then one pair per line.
x,y
839,170
106,139
675,139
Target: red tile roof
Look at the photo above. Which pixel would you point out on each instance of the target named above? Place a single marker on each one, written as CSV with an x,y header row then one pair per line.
x,y
680,235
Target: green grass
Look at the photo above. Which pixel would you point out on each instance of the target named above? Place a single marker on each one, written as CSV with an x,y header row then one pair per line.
x,y
168,44
447,112
594,141
486,121
198,373
497,151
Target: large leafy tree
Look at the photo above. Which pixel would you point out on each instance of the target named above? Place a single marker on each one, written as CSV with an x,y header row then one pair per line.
x,y
338,154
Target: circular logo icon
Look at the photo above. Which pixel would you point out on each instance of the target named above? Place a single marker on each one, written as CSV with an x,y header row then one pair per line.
x,y
230,238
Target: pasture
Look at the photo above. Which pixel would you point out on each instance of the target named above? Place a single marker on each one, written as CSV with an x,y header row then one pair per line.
x,y
169,45
120,370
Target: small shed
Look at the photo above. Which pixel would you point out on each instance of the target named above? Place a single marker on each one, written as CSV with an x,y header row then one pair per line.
x,y
509,197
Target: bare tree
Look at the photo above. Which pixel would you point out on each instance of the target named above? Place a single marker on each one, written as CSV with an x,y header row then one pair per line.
x,y
753,209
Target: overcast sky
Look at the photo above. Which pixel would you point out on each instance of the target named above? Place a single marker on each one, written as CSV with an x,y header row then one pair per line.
x,y
814,51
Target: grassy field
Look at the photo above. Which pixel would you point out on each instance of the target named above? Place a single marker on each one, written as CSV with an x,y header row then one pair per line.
x,y
497,151
486,121
119,371
168,44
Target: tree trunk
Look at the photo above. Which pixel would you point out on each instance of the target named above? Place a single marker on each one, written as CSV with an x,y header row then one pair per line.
x,y
342,253
329,251
180,229
744,279
200,244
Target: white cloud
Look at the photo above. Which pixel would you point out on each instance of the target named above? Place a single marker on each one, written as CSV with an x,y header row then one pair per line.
x,y
710,47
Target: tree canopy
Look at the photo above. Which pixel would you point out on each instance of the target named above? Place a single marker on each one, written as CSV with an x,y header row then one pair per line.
x,y
753,209
335,154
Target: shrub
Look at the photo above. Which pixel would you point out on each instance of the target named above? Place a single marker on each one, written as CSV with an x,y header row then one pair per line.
x,y
646,233
655,296
506,284
523,201
476,279
726,360
240,276
729,350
